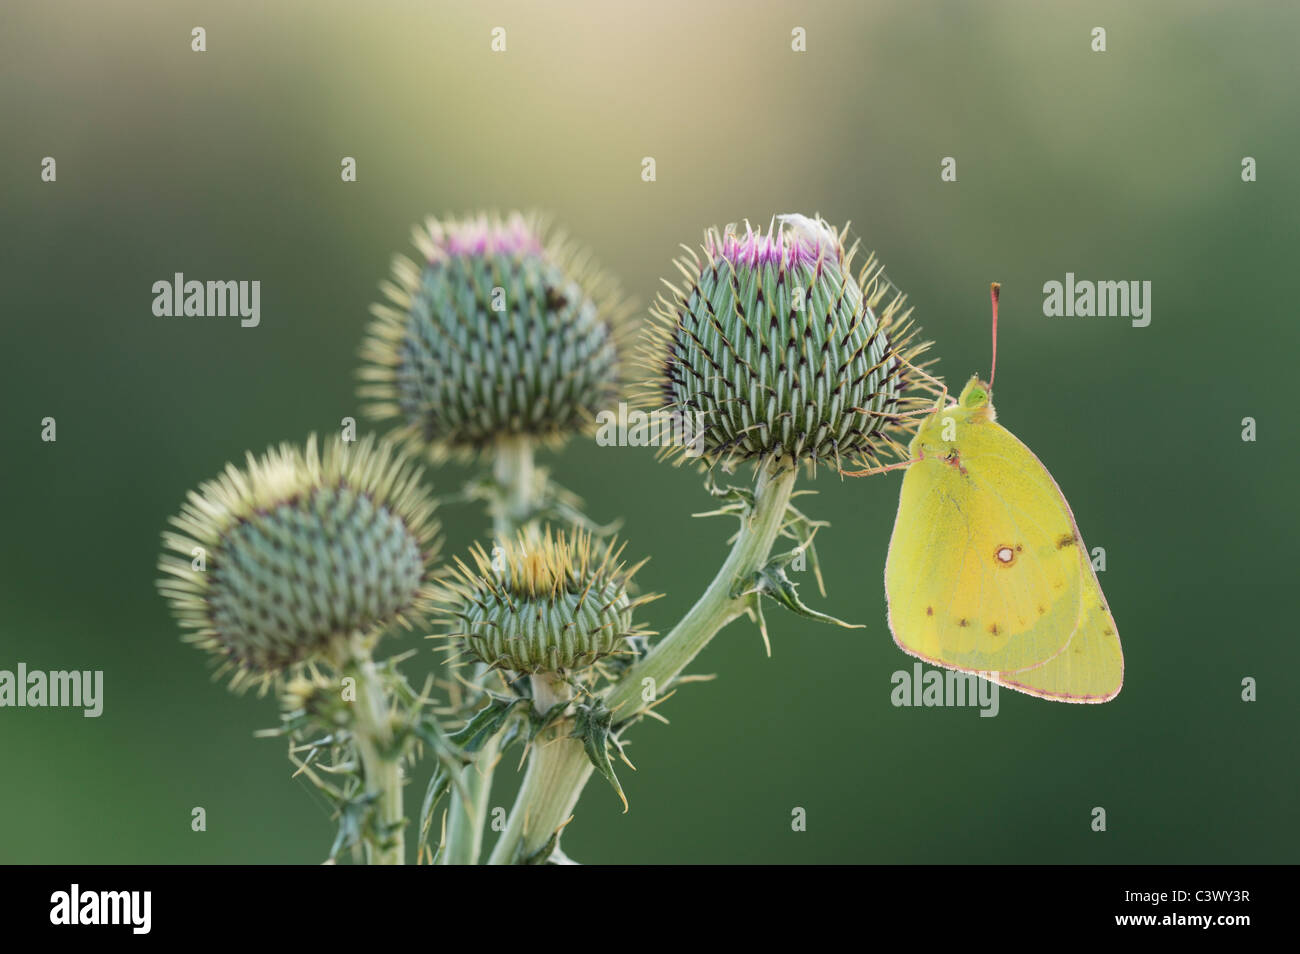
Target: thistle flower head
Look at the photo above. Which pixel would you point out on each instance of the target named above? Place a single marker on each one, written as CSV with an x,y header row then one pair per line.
x,y
498,331
554,603
271,564
780,352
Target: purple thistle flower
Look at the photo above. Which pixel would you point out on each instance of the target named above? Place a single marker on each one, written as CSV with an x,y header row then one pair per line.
x,y
481,236
796,241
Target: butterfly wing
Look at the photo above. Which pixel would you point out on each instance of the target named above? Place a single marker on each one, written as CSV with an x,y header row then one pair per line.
x,y
984,570
1091,668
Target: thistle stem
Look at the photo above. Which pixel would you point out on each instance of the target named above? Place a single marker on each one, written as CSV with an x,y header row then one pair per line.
x,y
514,473
381,766
717,607
467,815
558,770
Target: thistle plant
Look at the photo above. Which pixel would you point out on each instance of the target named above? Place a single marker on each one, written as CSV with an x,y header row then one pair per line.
x,y
502,338
296,564
555,613
789,359
499,341
299,554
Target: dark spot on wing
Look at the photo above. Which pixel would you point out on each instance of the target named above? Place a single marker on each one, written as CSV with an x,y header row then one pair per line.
x,y
1066,540
929,611
962,622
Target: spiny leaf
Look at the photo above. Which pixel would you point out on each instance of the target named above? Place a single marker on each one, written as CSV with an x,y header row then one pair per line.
x,y
735,501
542,720
592,725
486,723
439,785
543,854
772,581
354,815
802,529
451,757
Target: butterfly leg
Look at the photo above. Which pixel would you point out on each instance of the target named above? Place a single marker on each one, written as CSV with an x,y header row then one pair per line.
x,y
937,386
883,469
941,396
896,415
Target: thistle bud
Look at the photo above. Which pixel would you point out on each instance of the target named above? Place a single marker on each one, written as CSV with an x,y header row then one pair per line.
x,y
271,565
779,352
497,332
542,603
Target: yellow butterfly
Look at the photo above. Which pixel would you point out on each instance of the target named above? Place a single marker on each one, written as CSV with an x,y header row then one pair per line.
x,y
987,571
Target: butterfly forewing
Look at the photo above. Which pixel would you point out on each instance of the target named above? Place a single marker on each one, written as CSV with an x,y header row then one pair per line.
x,y
983,571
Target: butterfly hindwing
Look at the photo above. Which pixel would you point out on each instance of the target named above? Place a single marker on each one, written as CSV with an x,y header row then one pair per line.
x,y
1091,668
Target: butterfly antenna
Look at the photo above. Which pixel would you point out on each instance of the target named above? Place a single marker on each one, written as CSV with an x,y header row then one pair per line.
x,y
994,290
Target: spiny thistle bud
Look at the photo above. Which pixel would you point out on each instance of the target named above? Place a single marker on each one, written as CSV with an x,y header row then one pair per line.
x,y
317,696
779,351
298,550
499,332
543,603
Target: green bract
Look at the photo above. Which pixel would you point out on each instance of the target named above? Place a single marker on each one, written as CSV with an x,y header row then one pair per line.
x,y
554,603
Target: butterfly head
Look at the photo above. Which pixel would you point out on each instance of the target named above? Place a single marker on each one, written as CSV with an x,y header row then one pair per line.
x,y
976,395
940,436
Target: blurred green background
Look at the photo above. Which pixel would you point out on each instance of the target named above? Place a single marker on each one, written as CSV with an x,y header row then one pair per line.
x,y
225,164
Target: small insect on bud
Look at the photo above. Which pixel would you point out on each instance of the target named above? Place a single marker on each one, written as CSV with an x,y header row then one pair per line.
x,y
779,352
552,603
498,332
300,550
